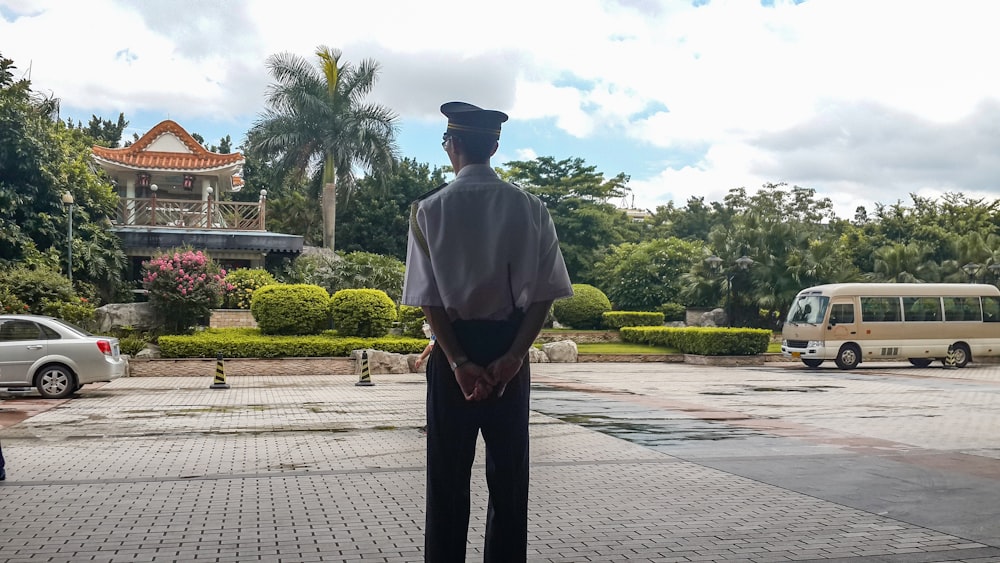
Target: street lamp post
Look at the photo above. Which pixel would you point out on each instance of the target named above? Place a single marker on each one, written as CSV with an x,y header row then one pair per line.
x,y
743,263
972,269
995,270
67,199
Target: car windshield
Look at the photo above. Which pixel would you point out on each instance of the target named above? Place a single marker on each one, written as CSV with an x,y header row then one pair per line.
x,y
808,309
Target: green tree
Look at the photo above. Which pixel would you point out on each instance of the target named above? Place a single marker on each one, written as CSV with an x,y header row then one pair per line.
x,y
41,159
905,263
317,116
377,220
577,197
644,276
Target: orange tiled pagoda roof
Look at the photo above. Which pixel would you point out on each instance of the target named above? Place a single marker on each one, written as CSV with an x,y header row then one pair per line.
x,y
138,157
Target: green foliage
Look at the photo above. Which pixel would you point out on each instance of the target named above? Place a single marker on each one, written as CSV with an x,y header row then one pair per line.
x,y
251,343
184,286
411,321
79,311
584,310
377,222
702,341
291,309
40,160
242,285
576,196
9,303
354,270
36,287
618,319
362,312
132,344
640,277
673,312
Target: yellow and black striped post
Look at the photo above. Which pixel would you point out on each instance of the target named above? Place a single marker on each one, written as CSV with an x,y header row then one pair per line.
x,y
220,374
949,360
366,376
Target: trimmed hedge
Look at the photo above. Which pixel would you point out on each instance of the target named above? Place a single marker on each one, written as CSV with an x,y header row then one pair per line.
x,y
618,319
291,309
251,343
584,310
702,341
362,312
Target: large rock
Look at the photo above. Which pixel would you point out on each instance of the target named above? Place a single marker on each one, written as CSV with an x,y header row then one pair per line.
x,y
563,351
536,356
713,318
382,362
139,316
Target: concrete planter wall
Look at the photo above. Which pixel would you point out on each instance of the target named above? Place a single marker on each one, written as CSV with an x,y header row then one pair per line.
x,y
231,318
194,367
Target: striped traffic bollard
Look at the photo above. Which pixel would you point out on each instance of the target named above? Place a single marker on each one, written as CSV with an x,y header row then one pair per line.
x,y
366,376
949,360
220,374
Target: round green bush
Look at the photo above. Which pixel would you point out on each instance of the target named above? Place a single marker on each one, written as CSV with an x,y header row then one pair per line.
x,y
411,321
290,309
244,283
583,311
362,312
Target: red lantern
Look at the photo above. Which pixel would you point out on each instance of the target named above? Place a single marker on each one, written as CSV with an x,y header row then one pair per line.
x,y
143,180
188,182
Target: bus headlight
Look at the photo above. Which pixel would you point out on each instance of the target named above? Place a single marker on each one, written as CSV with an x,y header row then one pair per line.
x,y
814,344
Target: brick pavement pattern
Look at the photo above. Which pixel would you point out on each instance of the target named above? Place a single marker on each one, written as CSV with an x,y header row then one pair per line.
x,y
313,468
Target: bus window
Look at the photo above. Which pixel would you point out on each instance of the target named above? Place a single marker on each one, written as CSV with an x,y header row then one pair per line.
x,y
922,308
842,313
991,309
880,309
962,309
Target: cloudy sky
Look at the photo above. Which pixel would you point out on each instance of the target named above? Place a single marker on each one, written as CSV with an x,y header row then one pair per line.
x,y
863,100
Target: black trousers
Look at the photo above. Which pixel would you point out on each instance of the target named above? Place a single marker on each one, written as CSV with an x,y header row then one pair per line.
x,y
453,426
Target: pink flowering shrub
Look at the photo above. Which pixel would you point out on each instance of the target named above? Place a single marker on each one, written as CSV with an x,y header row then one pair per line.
x,y
184,286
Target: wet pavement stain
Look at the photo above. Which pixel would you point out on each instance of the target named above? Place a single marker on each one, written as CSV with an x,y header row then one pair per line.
x,y
639,424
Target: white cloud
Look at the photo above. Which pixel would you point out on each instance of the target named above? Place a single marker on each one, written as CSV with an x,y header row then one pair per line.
x,y
864,101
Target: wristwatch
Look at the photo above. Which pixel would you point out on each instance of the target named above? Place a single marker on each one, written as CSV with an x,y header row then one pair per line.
x,y
457,362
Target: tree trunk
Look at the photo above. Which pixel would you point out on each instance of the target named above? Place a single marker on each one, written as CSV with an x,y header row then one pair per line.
x,y
329,213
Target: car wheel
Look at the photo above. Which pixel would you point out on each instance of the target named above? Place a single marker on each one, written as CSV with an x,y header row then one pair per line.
x,y
920,362
962,355
56,382
848,357
813,363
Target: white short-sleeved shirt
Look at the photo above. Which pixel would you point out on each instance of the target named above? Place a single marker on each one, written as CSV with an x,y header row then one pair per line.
x,y
492,246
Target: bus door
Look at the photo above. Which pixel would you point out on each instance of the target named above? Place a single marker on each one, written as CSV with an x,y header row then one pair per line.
x,y
843,323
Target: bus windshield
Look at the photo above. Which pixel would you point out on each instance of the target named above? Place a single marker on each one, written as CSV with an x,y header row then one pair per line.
x,y
808,309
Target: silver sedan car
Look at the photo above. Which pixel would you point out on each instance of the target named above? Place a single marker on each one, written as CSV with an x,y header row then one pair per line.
x,y
55,357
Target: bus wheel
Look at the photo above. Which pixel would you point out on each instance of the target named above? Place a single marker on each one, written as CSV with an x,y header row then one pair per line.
x,y
920,362
848,357
813,363
962,355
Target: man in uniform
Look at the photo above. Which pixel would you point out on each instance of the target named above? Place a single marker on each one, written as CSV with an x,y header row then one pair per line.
x,y
484,262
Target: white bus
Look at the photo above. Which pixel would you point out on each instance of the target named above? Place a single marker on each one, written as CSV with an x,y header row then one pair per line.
x,y
920,322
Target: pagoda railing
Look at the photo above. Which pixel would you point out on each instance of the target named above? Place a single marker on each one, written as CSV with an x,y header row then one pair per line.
x,y
191,214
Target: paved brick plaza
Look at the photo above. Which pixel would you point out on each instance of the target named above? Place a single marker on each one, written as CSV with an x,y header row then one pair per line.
x,y
313,468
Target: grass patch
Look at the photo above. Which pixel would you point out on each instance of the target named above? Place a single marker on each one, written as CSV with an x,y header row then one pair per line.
x,y
622,348
774,348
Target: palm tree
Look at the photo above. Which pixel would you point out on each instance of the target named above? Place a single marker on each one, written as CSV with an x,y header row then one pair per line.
x,y
318,122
